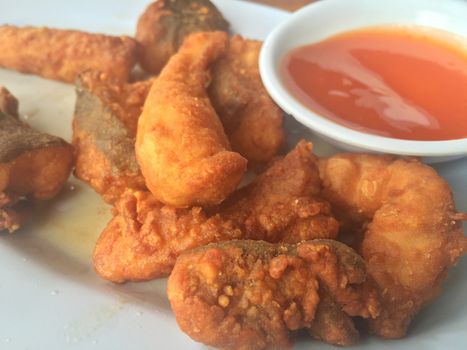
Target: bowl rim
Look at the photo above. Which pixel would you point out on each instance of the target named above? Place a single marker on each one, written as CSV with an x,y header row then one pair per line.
x,y
268,63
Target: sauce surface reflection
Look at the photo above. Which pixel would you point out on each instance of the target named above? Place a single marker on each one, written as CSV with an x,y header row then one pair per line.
x,y
391,81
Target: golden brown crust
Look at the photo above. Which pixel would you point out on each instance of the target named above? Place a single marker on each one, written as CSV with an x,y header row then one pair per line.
x,y
39,173
181,146
144,238
17,138
32,164
331,324
165,23
62,54
410,236
104,129
251,294
282,204
250,117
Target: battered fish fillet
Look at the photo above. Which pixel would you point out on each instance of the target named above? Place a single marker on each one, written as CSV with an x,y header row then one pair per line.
x,y
181,146
104,130
252,294
145,237
62,54
412,234
251,119
165,23
32,164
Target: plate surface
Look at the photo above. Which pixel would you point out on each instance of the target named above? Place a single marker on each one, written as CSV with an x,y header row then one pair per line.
x,y
50,297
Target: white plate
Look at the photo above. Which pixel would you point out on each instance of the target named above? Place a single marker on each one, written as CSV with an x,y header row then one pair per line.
x,y
50,297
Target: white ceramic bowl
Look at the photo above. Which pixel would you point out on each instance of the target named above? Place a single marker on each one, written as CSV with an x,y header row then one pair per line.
x,y
325,18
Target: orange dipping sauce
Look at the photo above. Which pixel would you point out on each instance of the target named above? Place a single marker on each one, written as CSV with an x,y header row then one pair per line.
x,y
391,81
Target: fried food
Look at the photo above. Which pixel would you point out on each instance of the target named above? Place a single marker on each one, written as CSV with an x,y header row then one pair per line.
x,y
411,236
181,146
331,324
144,238
32,164
252,294
251,119
164,25
62,54
282,204
107,110
104,130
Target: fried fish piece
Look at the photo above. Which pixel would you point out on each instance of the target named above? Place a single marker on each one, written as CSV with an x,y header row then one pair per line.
x,y
181,146
251,119
60,54
32,165
412,233
144,238
104,130
253,294
164,25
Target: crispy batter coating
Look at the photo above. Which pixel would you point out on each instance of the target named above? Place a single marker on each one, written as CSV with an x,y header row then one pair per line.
x,y
105,108
250,117
62,54
252,294
32,164
331,324
164,24
104,130
282,204
145,237
412,233
181,146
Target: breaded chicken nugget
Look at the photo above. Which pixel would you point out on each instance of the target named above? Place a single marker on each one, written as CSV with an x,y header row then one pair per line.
x,y
62,54
252,294
251,119
181,146
145,237
412,234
